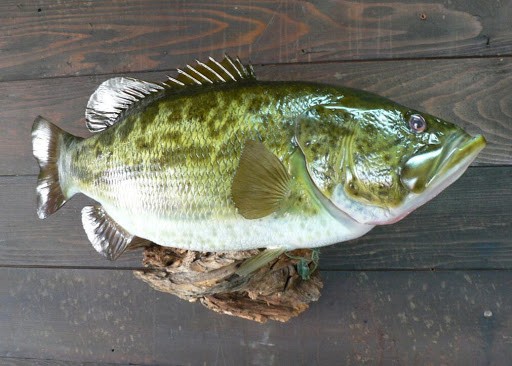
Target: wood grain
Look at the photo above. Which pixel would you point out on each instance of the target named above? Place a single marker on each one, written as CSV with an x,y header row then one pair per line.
x,y
475,94
44,38
437,286
10,361
374,318
467,226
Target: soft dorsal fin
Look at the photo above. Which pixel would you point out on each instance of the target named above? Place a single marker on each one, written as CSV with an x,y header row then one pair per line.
x,y
117,95
114,96
212,72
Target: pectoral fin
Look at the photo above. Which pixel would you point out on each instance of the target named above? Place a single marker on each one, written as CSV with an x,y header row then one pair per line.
x,y
261,182
107,236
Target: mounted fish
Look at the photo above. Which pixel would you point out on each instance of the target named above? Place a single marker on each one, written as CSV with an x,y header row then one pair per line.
x,y
215,160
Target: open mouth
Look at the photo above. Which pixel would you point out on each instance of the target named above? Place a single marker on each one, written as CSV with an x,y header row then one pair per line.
x,y
423,171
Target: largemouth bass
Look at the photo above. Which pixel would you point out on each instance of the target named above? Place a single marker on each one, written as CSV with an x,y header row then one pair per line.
x,y
215,160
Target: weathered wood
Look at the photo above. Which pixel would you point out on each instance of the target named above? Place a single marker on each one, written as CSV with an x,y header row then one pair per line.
x,y
453,318
9,361
280,290
54,54
471,93
467,226
47,38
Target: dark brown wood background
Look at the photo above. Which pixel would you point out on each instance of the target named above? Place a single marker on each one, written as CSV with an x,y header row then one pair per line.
x,y
432,289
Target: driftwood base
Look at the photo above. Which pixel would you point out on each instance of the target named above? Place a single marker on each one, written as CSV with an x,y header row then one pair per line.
x,y
275,291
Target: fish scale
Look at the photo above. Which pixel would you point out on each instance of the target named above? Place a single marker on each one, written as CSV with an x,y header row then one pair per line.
x,y
201,159
217,160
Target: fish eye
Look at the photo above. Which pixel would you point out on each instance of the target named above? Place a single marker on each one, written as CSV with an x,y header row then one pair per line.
x,y
417,123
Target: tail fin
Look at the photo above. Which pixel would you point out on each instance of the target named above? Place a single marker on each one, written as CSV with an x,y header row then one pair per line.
x,y
47,140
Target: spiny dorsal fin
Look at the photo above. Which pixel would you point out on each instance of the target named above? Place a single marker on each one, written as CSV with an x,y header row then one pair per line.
x,y
114,96
117,95
260,183
212,72
106,236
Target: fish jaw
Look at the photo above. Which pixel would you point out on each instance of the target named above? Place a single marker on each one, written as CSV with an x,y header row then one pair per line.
x,y
452,167
446,169
426,169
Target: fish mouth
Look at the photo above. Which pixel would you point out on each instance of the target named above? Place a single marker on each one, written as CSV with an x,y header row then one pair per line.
x,y
425,175
425,171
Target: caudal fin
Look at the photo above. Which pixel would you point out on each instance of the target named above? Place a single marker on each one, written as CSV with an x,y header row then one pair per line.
x,y
47,141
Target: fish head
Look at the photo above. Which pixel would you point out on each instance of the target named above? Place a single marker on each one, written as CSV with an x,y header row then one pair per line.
x,y
377,161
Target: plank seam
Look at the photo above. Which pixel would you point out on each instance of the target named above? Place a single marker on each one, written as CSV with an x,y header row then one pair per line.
x,y
32,359
299,63
348,270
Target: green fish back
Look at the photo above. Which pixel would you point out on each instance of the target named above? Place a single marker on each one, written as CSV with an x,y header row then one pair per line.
x,y
177,156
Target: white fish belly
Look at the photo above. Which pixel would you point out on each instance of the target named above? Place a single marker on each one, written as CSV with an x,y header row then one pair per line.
x,y
236,233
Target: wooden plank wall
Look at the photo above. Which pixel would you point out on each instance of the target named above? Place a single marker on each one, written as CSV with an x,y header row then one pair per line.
x,y
432,289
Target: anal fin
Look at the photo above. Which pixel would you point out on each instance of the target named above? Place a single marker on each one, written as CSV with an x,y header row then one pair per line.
x,y
106,236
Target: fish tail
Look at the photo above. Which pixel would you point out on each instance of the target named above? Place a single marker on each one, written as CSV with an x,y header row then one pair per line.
x,y
47,143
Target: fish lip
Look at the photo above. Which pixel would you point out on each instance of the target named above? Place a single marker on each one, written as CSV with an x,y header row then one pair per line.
x,y
464,148
459,150
467,148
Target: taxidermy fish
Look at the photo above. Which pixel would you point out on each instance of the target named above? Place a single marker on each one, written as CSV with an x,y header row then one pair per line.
x,y
215,160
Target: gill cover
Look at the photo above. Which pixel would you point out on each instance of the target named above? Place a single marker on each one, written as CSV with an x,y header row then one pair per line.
x,y
375,161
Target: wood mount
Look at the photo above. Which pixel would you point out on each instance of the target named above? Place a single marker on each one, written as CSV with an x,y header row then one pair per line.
x,y
276,291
